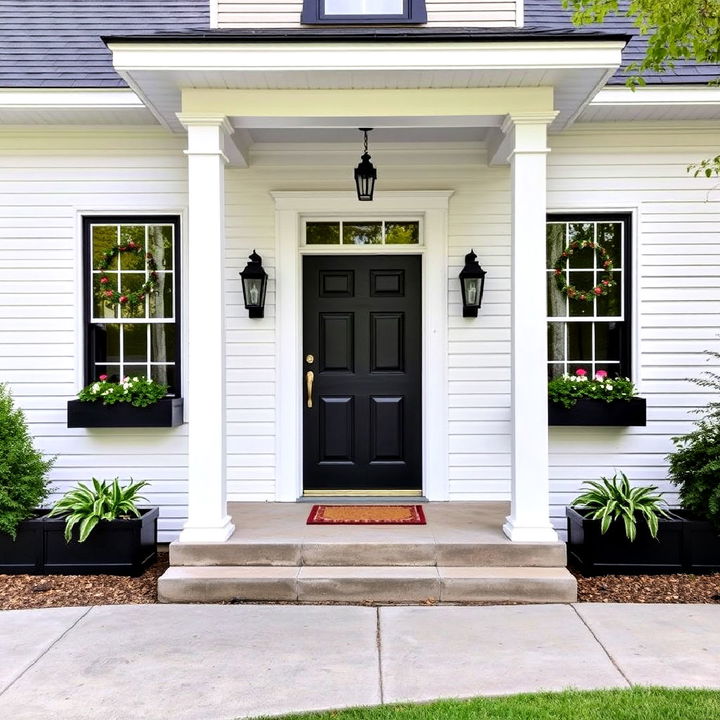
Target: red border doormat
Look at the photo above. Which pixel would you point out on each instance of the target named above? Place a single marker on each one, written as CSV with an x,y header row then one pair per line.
x,y
366,515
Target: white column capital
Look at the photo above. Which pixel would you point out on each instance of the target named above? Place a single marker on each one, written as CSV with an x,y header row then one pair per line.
x,y
524,132
207,134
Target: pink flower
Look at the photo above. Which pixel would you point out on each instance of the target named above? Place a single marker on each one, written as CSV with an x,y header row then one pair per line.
x,y
597,290
601,374
102,378
580,372
104,280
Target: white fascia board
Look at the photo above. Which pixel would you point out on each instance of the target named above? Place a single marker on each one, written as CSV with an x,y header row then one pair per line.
x,y
70,99
668,95
276,56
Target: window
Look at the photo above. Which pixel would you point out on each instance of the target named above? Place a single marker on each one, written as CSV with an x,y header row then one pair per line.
x,y
593,334
139,335
363,11
372,232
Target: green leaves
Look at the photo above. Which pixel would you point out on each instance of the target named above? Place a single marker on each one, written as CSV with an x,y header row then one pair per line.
x,y
138,391
23,469
615,499
103,501
568,389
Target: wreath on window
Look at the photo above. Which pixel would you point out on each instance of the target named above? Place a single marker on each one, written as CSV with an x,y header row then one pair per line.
x,y
112,298
605,283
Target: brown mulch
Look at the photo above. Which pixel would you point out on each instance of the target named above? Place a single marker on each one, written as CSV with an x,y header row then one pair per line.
x,y
42,591
679,588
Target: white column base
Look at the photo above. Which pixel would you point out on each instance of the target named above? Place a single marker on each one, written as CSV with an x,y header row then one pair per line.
x,y
207,533
528,534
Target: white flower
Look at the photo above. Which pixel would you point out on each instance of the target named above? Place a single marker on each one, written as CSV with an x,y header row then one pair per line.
x,y
95,388
609,386
135,379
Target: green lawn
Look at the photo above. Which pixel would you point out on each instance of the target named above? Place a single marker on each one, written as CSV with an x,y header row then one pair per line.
x,y
634,704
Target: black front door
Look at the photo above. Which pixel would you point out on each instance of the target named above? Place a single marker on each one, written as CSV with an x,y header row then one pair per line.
x,y
362,372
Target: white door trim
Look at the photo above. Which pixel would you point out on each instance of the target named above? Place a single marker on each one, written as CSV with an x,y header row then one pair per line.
x,y
290,208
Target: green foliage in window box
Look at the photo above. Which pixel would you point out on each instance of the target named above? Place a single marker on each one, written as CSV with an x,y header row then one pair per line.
x,y
568,389
614,499
23,469
138,391
104,501
695,463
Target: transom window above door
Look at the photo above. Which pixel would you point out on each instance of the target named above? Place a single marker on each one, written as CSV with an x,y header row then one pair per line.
x,y
363,11
362,232
588,294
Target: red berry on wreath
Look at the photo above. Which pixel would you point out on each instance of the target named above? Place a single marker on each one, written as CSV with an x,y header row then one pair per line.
x,y
598,291
122,299
582,297
558,272
108,293
104,280
131,245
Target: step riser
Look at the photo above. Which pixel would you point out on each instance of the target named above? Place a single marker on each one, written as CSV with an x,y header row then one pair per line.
x,y
401,591
384,585
370,555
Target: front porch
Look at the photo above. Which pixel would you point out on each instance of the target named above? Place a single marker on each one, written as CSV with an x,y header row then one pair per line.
x,y
460,555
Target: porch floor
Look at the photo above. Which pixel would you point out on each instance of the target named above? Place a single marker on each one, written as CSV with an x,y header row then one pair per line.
x,y
460,555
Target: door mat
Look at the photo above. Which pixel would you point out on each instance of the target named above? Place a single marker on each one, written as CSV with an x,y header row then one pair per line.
x,y
366,515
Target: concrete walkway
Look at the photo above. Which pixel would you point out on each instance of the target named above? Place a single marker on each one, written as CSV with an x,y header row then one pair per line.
x,y
218,662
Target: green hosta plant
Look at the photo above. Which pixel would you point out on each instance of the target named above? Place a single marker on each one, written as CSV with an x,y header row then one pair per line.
x,y
614,499
103,501
138,391
568,389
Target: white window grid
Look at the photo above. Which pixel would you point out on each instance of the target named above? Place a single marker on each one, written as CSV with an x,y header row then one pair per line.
x,y
590,363
147,320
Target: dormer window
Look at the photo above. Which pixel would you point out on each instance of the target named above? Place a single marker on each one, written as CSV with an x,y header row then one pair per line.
x,y
369,12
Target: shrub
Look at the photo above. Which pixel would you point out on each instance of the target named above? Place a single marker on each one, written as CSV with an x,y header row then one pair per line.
x,y
695,464
103,501
23,469
612,500
695,469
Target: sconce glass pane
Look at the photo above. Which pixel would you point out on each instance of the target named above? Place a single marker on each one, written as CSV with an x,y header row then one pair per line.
x,y
472,291
322,233
402,233
253,291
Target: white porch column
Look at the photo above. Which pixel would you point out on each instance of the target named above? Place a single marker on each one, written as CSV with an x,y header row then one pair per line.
x,y
208,520
529,519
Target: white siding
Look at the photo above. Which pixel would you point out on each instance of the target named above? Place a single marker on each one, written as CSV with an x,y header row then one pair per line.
x,y
441,13
47,178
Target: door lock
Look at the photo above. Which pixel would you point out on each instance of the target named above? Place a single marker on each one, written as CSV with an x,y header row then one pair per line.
x,y
309,359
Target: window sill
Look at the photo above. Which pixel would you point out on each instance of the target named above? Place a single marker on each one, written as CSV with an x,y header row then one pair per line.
x,y
587,412
168,412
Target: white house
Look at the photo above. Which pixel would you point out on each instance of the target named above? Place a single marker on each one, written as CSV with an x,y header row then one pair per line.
x,y
204,130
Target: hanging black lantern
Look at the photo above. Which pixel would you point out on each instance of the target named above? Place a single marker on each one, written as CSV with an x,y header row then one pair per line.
x,y
254,285
365,172
472,285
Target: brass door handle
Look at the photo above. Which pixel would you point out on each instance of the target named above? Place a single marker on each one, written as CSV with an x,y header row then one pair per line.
x,y
309,379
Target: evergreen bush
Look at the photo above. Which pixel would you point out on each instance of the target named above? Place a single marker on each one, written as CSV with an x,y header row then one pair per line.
x,y
695,463
23,469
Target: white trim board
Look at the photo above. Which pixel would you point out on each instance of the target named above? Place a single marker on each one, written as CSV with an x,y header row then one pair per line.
x,y
290,209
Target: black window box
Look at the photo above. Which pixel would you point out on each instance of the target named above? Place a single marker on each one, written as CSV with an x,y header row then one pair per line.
x,y
25,553
114,547
167,412
613,554
701,543
598,412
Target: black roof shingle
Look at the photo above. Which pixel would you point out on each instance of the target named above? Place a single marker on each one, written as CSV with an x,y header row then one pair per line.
x,y
58,43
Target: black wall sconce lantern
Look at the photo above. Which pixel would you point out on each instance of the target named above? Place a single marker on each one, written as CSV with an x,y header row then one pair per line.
x,y
365,172
254,285
472,285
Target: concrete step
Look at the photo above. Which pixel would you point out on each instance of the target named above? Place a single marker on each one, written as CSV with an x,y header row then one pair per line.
x,y
375,553
379,584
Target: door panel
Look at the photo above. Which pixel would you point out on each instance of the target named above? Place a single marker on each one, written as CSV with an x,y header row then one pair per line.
x,y
362,327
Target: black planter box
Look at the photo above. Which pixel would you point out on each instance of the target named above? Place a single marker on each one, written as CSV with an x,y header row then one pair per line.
x,y
25,553
114,547
613,554
167,412
598,412
701,543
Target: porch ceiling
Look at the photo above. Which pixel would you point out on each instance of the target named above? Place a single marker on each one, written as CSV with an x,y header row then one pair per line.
x,y
160,71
